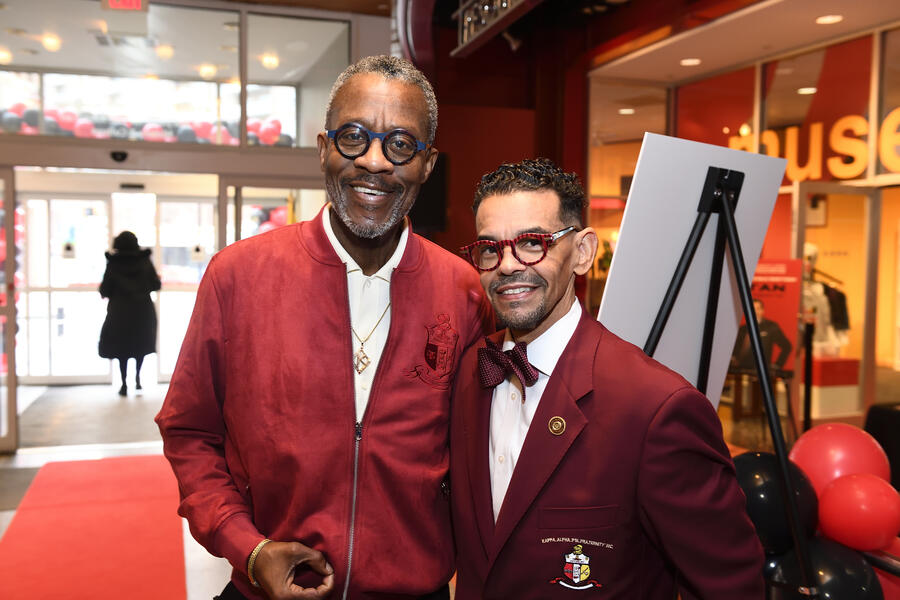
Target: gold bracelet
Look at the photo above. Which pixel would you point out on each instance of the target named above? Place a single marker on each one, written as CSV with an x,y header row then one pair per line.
x,y
252,561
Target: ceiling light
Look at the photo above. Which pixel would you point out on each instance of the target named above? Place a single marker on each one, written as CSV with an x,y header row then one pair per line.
x,y
5,56
235,81
231,26
726,130
151,76
51,42
626,111
165,51
207,71
744,130
690,62
829,19
269,61
806,91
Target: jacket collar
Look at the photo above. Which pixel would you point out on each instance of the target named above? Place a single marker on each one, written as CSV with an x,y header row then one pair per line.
x,y
312,237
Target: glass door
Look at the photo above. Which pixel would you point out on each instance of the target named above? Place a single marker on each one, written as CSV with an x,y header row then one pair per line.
x,y
9,250
61,311
837,235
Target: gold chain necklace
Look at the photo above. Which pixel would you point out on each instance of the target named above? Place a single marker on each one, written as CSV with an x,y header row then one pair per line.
x,y
361,360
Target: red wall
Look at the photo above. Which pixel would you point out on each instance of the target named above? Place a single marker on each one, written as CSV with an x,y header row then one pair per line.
x,y
476,140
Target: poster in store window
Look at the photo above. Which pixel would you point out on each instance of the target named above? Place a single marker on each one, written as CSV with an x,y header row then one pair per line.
x,y
776,289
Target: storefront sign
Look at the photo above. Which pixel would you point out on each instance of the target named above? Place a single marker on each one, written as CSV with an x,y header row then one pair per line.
x,y
845,138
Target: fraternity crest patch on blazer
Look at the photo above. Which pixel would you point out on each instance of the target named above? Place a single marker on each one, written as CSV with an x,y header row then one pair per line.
x,y
576,571
439,354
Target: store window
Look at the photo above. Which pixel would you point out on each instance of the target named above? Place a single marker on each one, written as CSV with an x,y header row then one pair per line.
x,y
889,139
816,111
718,110
167,74
619,116
291,66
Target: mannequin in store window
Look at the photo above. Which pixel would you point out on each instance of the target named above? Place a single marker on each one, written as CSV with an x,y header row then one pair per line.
x,y
129,330
815,300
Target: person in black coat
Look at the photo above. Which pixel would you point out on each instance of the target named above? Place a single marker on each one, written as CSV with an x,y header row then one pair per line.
x,y
129,330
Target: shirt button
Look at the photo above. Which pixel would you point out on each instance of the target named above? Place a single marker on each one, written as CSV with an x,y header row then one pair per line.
x,y
514,396
364,385
500,458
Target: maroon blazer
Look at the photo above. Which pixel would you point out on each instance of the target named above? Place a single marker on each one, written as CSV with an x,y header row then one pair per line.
x,y
637,489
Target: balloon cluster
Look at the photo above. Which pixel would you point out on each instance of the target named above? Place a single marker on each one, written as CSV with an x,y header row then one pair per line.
x,y
846,504
26,121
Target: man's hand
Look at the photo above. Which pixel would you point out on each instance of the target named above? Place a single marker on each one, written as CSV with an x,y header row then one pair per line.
x,y
275,566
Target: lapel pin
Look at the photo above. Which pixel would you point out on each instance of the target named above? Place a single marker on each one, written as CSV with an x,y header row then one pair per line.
x,y
557,425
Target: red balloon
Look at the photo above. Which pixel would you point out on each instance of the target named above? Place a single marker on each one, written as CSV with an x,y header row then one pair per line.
x,y
278,215
153,132
829,451
219,135
29,130
202,129
18,108
861,511
274,123
51,112
890,584
84,128
266,226
67,120
269,133
253,125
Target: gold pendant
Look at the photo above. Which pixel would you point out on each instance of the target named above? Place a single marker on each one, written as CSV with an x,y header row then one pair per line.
x,y
361,360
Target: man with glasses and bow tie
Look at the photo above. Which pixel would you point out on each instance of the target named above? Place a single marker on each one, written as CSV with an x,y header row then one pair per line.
x,y
577,462
307,420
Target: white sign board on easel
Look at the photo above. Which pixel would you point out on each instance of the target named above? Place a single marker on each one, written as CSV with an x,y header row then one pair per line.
x,y
659,215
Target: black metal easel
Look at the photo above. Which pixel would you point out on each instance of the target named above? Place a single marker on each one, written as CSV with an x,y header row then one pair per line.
x,y
720,195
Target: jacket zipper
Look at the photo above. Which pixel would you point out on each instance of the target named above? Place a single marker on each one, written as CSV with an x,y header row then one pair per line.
x,y
357,439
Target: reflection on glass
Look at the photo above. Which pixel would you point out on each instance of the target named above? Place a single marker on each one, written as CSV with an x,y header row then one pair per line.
x,y
75,322
718,110
888,153
292,64
186,241
78,240
816,110
149,76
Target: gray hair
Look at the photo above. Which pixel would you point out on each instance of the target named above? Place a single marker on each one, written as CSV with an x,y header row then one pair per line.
x,y
390,67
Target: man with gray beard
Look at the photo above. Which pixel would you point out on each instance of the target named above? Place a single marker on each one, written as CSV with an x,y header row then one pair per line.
x,y
307,418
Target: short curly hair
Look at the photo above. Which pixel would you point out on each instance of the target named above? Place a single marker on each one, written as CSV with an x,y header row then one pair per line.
x,y
389,67
535,174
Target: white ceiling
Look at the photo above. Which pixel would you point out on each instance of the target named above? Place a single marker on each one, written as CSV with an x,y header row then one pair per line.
x,y
197,37
768,29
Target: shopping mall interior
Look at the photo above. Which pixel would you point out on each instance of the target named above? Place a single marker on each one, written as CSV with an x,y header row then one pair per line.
x,y
193,124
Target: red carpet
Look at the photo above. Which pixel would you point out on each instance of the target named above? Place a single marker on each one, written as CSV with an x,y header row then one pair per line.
x,y
98,529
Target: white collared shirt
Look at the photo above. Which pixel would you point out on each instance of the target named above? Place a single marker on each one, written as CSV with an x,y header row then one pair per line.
x,y
370,298
510,418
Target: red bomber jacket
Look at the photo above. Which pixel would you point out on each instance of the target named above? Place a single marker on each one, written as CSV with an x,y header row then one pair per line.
x,y
259,422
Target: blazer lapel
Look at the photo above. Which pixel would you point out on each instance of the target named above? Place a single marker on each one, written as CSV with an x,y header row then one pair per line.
x,y
543,449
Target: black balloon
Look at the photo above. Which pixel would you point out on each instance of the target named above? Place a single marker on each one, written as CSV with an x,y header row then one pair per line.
x,y
51,126
841,573
118,131
10,122
252,139
101,122
186,134
31,116
284,140
759,477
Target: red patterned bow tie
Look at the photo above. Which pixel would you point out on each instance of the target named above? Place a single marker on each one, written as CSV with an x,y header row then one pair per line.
x,y
495,364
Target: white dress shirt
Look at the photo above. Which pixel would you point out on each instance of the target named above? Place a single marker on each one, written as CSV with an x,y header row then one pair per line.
x,y
510,418
370,297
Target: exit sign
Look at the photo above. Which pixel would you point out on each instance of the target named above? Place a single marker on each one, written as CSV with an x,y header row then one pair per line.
x,y
139,5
